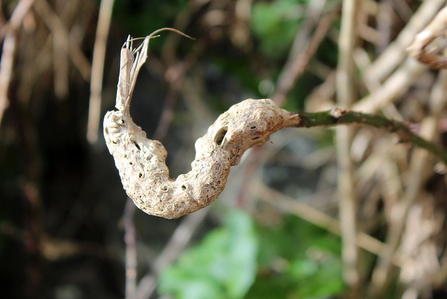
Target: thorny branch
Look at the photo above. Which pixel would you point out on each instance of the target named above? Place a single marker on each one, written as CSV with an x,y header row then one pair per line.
x,y
336,116
141,161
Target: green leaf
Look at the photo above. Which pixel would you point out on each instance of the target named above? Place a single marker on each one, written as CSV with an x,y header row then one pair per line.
x,y
276,24
324,280
303,268
178,283
222,266
297,260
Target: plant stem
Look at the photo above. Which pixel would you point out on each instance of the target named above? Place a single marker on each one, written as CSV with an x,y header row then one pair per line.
x,y
337,117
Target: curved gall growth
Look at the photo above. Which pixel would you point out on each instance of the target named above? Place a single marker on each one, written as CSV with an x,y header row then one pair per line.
x,y
142,167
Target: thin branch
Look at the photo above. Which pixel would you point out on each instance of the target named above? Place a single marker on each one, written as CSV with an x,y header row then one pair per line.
x,y
419,48
182,20
393,56
316,217
55,24
180,238
176,83
382,275
346,96
403,9
131,252
338,116
9,51
384,21
60,65
296,66
346,67
16,18
99,53
397,84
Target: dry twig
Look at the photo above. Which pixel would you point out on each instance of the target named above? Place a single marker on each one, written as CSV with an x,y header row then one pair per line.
x,y
382,274
180,238
346,95
393,56
131,252
396,85
99,53
9,51
420,50
56,25
298,62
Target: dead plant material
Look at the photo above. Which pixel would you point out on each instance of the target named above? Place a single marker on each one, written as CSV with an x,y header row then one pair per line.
x,y
141,161
424,46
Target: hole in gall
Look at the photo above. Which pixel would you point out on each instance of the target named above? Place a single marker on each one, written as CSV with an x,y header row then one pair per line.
x,y
221,135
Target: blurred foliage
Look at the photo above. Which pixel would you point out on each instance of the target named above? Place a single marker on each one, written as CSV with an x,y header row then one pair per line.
x,y
297,260
222,266
270,18
141,17
302,88
241,70
244,260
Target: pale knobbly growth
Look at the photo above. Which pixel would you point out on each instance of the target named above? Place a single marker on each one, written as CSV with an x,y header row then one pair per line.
x,y
145,176
141,161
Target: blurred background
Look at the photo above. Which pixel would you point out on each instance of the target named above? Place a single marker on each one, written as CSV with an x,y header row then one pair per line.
x,y
282,228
